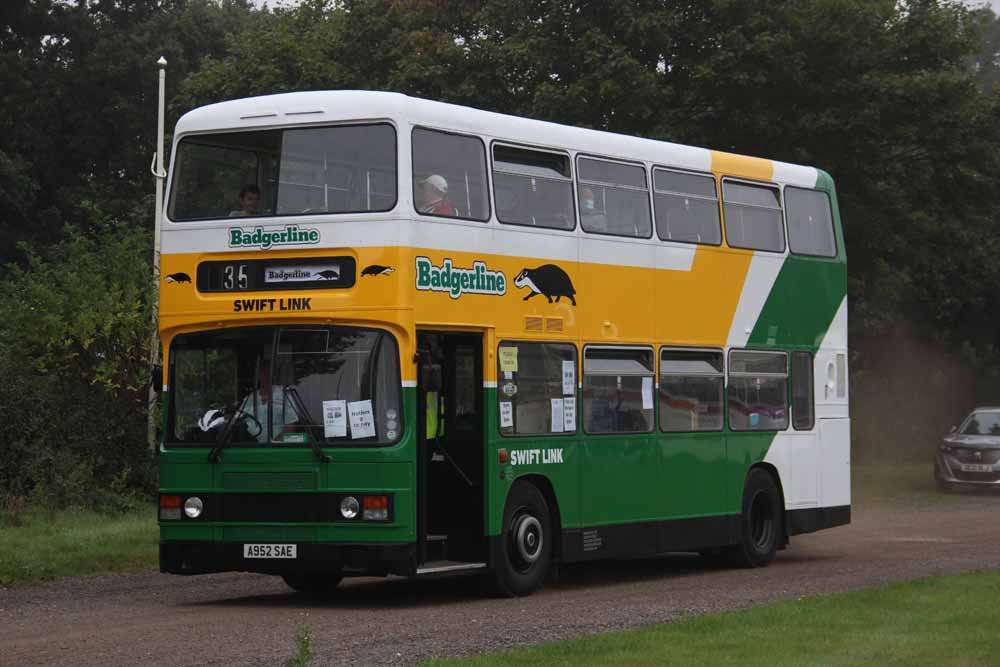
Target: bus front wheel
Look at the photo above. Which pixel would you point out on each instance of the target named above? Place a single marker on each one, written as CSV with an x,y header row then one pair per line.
x,y
312,583
526,542
761,522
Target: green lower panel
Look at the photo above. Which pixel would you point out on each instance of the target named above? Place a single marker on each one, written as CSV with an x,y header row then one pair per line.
x,y
693,476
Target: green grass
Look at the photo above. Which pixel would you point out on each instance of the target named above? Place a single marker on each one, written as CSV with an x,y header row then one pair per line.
x,y
47,545
938,622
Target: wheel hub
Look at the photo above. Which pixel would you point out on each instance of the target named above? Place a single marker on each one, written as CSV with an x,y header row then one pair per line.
x,y
528,538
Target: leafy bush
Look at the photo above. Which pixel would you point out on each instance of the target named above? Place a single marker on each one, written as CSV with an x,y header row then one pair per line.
x,y
75,326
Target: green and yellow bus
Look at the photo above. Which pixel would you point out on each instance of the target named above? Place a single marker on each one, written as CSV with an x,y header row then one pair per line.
x,y
407,337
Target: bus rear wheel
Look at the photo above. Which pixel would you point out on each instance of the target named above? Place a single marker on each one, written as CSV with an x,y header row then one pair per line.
x,y
761,522
525,542
312,583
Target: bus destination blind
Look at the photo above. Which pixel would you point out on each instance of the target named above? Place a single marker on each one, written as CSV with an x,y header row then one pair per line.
x,y
249,275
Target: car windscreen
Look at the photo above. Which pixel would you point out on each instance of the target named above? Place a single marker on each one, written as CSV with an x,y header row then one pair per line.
x,y
283,386
302,171
982,422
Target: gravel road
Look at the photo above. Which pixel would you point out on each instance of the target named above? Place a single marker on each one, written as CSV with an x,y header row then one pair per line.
x,y
240,619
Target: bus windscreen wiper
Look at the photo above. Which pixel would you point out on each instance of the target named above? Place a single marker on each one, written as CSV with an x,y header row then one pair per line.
x,y
300,409
225,436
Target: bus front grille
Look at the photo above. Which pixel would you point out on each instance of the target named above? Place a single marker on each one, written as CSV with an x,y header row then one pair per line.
x,y
269,481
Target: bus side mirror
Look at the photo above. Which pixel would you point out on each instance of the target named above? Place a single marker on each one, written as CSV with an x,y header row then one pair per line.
x,y
156,378
430,377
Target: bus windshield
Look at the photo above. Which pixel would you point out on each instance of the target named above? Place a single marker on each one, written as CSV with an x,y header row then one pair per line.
x,y
284,386
342,169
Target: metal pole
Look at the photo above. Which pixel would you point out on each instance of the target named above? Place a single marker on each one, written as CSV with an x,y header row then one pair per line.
x,y
154,347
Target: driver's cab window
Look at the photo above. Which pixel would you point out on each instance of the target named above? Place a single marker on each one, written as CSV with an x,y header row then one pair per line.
x,y
265,386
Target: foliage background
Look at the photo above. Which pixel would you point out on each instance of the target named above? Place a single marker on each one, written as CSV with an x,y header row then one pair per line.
x,y
897,100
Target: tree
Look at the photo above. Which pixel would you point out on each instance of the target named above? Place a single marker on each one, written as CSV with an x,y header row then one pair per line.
x,y
78,118
74,350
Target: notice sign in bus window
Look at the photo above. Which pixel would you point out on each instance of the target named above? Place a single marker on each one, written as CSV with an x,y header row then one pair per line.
x,y
298,273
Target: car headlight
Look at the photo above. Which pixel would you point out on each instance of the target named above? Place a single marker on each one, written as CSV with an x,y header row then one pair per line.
x,y
193,507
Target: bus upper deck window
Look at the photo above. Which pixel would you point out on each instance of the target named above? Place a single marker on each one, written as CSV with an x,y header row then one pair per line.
x,y
449,175
533,187
686,207
810,222
614,198
753,216
298,171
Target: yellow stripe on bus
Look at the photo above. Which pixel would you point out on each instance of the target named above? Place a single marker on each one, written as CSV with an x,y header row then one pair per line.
x,y
615,304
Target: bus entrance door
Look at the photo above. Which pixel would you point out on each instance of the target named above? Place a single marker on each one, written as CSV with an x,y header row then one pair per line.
x,y
450,451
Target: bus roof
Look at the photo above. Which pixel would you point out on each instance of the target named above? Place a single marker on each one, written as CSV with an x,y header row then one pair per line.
x,y
319,107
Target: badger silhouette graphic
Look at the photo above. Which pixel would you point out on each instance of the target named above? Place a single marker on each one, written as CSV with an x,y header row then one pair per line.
x,y
328,274
179,277
377,270
548,280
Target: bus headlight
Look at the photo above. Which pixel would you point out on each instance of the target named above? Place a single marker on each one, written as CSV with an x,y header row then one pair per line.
x,y
193,507
349,507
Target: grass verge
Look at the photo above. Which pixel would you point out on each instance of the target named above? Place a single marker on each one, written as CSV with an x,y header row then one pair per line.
x,y
65,543
936,622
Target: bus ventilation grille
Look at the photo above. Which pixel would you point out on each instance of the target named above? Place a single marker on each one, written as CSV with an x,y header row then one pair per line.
x,y
268,481
533,324
553,324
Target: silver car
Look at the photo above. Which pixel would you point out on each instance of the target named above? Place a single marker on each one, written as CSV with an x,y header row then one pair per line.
x,y
970,454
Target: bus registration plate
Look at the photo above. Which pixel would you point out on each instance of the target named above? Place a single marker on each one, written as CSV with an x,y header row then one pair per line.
x,y
269,551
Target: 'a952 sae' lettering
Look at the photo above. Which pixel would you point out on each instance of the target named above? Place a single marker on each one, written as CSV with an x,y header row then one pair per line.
x,y
524,457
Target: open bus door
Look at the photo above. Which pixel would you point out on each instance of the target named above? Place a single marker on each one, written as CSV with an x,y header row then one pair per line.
x,y
451,446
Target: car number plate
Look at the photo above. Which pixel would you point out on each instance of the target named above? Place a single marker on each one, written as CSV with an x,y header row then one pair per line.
x,y
269,551
976,467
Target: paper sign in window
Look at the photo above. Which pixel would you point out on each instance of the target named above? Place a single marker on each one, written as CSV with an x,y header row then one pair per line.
x,y
334,419
569,414
506,414
558,415
647,393
508,359
569,378
362,419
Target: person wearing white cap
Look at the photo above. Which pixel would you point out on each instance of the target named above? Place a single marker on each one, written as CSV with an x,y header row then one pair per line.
x,y
431,196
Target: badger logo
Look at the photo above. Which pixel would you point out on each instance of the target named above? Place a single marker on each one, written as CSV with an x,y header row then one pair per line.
x,y
328,274
179,277
377,270
548,280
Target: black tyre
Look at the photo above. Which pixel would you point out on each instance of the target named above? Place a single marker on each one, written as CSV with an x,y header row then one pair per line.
x,y
319,585
526,542
761,522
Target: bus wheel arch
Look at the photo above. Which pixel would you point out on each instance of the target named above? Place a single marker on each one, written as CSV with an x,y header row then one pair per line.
x,y
527,539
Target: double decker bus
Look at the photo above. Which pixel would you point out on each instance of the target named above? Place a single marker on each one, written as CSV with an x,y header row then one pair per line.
x,y
407,337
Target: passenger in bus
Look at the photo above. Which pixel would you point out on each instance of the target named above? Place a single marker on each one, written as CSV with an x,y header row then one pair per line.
x,y
431,196
249,201
593,220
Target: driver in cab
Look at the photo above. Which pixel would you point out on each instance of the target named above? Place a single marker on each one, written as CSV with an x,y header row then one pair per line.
x,y
265,396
